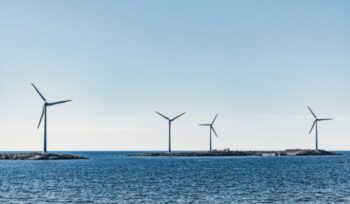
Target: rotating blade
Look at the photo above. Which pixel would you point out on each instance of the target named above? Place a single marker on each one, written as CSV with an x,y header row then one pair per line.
x,y
312,127
178,116
325,119
215,118
312,112
59,102
214,131
162,115
37,90
41,117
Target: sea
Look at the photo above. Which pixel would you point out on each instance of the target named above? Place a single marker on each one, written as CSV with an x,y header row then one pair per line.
x,y
116,177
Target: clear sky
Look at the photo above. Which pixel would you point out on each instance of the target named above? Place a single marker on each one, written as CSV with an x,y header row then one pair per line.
x,y
257,63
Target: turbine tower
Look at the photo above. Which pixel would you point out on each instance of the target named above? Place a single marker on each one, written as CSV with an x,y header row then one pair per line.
x,y
211,128
170,121
315,124
44,114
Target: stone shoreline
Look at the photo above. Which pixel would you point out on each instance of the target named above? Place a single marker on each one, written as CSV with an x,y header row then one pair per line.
x,y
38,156
289,152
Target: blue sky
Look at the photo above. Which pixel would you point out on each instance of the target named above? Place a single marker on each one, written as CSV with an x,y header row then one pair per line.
x,y
257,63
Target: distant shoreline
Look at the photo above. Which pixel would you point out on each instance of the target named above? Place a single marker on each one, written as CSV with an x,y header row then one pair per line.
x,y
288,152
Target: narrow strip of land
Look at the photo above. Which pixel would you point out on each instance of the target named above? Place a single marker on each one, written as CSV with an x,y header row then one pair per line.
x,y
289,152
38,156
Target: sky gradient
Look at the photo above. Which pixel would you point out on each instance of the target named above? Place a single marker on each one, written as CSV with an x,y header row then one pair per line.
x,y
257,63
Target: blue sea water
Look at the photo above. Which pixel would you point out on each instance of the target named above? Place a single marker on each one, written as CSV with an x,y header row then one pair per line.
x,y
113,177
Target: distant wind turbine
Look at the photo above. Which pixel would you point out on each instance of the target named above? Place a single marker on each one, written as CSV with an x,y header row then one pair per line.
x,y
44,113
170,121
315,124
211,128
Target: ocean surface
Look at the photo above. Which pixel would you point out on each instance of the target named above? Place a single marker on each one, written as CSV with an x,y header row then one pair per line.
x,y
114,177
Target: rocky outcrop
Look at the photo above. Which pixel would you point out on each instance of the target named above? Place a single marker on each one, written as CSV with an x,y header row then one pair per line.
x,y
38,156
289,152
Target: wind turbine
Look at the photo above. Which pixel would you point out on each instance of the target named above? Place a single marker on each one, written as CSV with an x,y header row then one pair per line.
x,y
44,113
211,128
170,121
315,124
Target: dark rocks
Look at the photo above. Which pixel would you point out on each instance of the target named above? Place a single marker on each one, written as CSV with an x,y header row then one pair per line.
x,y
289,152
38,156
307,152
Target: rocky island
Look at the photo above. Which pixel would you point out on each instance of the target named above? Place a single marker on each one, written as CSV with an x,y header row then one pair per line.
x,y
227,152
38,156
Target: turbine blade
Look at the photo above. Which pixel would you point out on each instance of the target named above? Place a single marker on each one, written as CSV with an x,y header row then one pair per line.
x,y
214,131
215,118
204,124
42,115
162,115
312,127
59,102
312,112
325,119
178,116
37,90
